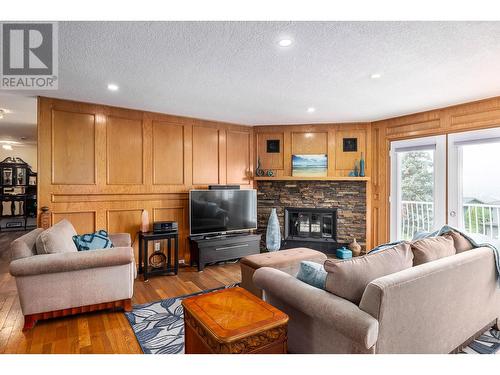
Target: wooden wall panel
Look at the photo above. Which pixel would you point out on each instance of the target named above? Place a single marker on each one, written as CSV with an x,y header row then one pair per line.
x,y
84,222
100,166
309,143
270,160
238,158
470,116
124,221
125,157
205,155
344,161
73,151
168,153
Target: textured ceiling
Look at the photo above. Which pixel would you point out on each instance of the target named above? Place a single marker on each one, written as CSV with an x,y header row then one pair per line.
x,y
236,72
20,122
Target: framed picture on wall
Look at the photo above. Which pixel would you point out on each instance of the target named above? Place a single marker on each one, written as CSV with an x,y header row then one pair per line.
x,y
310,165
350,144
273,146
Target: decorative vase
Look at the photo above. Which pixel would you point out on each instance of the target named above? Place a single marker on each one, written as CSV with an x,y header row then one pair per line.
x,y
362,166
356,168
145,221
259,172
273,234
355,247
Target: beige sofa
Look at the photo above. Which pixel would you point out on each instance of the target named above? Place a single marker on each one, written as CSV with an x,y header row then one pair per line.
x,y
69,282
430,308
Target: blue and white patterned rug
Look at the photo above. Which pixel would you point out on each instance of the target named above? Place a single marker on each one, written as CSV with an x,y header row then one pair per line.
x,y
159,326
487,343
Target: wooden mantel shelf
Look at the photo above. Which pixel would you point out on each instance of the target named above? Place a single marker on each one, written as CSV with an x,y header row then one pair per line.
x,y
292,178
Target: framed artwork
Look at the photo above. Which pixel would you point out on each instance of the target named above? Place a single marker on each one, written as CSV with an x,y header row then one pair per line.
x,y
310,165
7,176
350,144
273,146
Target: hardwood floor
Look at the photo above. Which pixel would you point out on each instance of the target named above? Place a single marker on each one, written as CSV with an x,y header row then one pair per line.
x,y
100,332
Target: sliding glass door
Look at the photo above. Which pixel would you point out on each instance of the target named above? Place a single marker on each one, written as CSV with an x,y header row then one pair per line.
x,y
474,181
418,180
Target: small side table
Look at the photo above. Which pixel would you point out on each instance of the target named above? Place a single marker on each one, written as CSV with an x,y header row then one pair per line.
x,y
169,268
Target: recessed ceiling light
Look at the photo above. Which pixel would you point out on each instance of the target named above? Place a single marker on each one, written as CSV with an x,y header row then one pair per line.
x,y
113,87
7,147
311,110
285,42
376,76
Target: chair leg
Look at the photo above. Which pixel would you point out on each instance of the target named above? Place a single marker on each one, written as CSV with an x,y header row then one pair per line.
x,y
29,322
127,304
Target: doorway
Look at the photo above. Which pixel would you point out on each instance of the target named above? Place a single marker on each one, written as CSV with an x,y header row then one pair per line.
x,y
448,179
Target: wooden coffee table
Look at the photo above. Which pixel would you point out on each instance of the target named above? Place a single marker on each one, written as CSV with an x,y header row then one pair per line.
x,y
233,321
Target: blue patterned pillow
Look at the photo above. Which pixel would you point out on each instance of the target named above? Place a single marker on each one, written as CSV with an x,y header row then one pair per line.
x,y
93,241
312,273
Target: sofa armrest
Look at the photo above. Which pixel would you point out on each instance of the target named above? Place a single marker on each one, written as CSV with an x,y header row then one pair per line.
x,y
341,314
71,261
121,239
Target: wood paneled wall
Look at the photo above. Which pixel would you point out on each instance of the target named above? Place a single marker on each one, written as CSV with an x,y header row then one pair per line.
x,y
100,166
470,116
313,139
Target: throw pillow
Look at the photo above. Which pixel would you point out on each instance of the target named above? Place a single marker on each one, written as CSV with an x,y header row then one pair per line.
x,y
429,249
348,279
460,242
312,273
93,241
57,239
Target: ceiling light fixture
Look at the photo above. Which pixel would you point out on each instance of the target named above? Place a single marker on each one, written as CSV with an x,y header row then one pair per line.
x,y
2,113
112,87
311,110
376,76
7,147
285,42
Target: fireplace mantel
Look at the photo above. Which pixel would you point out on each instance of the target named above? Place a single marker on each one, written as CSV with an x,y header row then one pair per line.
x,y
293,178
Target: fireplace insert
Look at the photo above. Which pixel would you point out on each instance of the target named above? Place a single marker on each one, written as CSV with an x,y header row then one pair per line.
x,y
310,227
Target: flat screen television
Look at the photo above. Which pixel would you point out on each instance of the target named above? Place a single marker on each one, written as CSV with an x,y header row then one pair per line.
x,y
222,211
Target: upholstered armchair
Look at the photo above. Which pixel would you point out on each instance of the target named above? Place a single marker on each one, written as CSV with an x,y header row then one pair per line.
x,y
68,282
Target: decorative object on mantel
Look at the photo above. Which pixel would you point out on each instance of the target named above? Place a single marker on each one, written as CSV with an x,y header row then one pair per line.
x,y
270,173
355,247
273,234
356,168
350,144
310,165
259,171
362,166
145,221
273,146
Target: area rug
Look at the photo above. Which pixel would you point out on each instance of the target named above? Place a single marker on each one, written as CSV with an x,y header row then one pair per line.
x,y
159,326
487,343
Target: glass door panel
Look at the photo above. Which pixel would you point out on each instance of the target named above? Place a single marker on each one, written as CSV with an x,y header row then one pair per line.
x,y
474,182
417,172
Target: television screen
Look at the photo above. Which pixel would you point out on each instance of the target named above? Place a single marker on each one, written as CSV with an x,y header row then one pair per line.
x,y
220,211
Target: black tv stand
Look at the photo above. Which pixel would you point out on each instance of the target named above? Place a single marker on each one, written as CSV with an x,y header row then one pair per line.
x,y
218,248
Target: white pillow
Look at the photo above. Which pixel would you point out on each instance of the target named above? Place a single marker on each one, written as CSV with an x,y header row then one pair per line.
x,y
57,239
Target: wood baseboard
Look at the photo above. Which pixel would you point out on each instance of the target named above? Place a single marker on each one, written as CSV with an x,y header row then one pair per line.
x,y
30,320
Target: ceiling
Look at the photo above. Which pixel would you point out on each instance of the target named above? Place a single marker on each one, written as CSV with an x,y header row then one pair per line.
x,y
19,124
237,72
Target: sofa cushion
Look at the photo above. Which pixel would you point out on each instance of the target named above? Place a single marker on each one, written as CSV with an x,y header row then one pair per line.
x,y
460,242
348,279
56,239
312,273
93,241
429,249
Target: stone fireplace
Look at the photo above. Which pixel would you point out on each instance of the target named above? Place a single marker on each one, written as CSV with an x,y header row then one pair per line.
x,y
322,215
